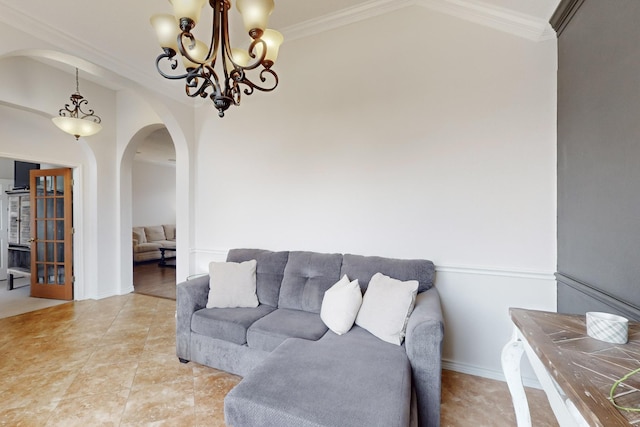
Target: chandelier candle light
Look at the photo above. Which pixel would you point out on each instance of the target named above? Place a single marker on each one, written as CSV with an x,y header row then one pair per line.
x,y
75,121
223,86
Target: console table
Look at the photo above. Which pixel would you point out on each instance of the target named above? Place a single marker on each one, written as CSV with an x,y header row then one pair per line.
x,y
575,370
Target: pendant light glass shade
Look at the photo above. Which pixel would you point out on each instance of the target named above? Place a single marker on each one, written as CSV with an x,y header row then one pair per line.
x,y
273,39
188,9
255,13
77,127
167,30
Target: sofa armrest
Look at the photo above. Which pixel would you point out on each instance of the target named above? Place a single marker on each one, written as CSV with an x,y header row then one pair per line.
x,y
191,296
423,343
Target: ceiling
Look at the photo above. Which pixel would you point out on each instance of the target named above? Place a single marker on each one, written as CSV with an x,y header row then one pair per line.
x,y
116,35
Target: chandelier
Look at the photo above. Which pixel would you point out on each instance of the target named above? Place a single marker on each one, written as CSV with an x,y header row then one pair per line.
x,y
73,120
224,85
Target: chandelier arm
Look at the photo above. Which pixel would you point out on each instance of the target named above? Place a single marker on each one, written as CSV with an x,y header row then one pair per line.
x,y
169,54
251,85
200,81
251,50
220,8
66,112
75,111
225,51
87,115
181,48
236,94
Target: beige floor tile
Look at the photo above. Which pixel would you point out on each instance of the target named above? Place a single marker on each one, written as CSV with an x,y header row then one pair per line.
x,y
116,353
159,368
36,415
97,410
35,390
160,402
102,379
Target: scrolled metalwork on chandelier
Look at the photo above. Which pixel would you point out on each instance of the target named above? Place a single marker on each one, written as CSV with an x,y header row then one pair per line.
x,y
225,85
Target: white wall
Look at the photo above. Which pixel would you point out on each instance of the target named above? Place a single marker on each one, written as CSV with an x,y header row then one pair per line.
x,y
154,194
6,168
412,135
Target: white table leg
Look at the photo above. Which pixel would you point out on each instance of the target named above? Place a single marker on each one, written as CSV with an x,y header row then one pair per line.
x,y
511,357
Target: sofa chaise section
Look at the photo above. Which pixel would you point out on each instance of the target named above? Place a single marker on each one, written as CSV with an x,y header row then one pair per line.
x,y
354,380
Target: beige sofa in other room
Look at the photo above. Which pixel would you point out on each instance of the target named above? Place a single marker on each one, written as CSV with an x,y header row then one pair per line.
x,y
147,241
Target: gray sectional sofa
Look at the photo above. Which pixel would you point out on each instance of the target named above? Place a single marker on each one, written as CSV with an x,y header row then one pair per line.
x,y
298,373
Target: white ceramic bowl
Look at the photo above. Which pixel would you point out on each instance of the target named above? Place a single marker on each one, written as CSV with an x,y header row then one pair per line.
x,y
607,327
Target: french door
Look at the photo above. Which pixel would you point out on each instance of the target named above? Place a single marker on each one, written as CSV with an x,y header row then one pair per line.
x,y
52,234
5,184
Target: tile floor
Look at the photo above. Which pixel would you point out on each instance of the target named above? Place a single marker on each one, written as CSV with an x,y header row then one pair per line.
x,y
112,363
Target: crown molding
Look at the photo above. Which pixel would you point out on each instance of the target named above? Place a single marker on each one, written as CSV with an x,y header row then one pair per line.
x,y
502,19
498,18
564,13
344,17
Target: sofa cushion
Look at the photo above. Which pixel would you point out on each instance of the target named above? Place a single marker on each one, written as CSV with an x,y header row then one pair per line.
x,y
340,305
228,324
386,307
139,235
155,233
307,276
146,247
232,284
352,380
169,244
269,271
364,267
271,330
169,231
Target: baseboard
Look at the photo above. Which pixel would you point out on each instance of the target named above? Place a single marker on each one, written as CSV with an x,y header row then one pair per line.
x,y
486,373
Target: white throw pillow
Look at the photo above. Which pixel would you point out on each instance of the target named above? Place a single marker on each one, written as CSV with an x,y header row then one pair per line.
x,y
340,305
386,307
232,284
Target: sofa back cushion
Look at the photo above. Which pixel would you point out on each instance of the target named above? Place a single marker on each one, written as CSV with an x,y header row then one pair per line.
x,y
306,278
138,234
269,271
364,267
155,233
169,231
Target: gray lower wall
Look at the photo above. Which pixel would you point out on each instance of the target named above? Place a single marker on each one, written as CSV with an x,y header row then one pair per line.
x,y
599,159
